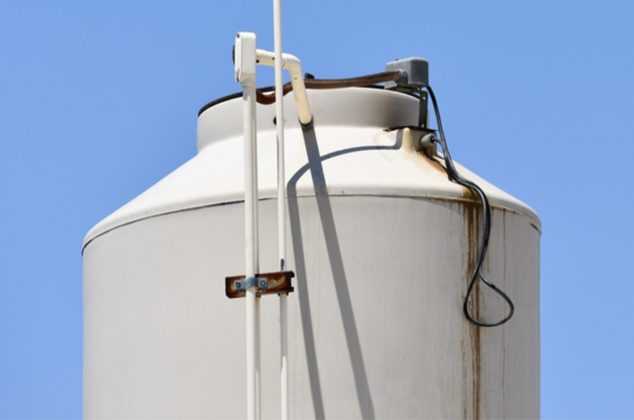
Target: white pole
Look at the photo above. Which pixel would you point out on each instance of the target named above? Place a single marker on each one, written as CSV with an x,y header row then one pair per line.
x,y
281,204
250,245
284,355
258,362
245,62
279,125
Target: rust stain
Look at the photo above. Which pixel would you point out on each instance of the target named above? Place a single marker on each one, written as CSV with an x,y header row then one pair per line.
x,y
434,163
472,218
426,156
471,210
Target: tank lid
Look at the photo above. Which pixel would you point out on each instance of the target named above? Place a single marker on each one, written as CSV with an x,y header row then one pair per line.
x,y
359,107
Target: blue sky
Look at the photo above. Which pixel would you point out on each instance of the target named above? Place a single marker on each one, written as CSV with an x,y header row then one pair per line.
x,y
98,101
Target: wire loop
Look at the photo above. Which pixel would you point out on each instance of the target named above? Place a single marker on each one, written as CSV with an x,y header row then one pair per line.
x,y
455,177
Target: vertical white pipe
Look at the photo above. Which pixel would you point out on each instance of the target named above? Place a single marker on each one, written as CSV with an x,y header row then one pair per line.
x,y
281,204
245,69
246,74
258,362
284,356
256,252
250,239
279,125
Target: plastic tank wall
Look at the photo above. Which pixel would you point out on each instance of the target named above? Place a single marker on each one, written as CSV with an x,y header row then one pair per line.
x,y
381,244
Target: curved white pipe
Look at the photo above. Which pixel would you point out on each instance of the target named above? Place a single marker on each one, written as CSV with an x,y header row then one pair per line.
x,y
294,68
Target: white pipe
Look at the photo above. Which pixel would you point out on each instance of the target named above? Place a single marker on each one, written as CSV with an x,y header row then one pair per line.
x,y
294,68
279,125
250,226
246,57
258,362
245,62
284,355
281,204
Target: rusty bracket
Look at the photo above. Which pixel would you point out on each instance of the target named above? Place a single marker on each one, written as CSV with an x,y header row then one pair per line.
x,y
265,283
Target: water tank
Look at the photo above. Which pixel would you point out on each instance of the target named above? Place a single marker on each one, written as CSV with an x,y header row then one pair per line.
x,y
382,245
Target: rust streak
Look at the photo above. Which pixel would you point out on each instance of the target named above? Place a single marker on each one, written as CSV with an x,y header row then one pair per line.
x,y
434,163
472,214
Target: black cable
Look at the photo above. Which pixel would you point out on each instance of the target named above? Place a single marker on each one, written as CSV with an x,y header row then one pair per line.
x,y
455,177
311,83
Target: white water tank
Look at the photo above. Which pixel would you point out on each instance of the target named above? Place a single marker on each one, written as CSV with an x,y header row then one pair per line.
x,y
382,245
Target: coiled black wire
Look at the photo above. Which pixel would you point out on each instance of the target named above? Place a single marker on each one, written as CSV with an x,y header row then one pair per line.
x,y
455,177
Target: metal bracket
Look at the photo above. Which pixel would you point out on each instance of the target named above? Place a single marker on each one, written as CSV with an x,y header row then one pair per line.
x,y
265,284
261,283
422,111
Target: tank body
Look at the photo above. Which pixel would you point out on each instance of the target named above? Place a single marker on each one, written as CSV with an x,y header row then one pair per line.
x,y
381,244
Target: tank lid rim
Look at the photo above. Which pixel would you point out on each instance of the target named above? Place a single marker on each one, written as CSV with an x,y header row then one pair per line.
x,y
235,95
